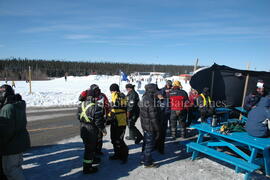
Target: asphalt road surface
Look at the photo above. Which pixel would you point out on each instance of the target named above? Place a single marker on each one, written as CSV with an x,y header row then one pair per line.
x,y
50,125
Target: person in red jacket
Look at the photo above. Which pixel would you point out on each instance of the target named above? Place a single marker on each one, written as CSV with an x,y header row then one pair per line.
x,y
178,100
102,100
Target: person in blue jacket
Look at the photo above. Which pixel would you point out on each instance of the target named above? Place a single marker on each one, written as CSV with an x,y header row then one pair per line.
x,y
257,119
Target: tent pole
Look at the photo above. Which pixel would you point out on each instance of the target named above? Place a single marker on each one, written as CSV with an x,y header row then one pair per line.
x,y
246,85
245,91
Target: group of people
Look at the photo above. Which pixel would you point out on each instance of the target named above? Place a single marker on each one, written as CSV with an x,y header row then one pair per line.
x,y
157,108
160,111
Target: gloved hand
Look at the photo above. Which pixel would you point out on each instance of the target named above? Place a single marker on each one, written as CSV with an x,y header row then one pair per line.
x,y
104,132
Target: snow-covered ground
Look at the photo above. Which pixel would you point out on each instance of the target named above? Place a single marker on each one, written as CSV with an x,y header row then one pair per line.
x,y
58,92
64,161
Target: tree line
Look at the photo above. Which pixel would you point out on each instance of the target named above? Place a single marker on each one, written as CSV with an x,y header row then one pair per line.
x,y
18,69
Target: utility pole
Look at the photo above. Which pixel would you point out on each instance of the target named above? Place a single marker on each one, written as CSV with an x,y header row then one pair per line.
x,y
30,81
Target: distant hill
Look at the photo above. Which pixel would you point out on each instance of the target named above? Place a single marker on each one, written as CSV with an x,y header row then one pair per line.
x,y
17,69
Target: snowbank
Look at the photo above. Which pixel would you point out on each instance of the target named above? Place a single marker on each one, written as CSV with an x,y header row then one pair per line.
x,y
58,92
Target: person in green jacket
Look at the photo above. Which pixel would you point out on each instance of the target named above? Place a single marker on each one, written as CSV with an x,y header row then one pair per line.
x,y
14,137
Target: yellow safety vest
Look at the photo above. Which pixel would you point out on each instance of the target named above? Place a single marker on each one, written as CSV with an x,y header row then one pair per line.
x,y
120,114
204,100
84,110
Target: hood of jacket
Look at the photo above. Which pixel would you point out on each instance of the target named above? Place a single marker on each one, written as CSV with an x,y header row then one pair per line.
x,y
151,88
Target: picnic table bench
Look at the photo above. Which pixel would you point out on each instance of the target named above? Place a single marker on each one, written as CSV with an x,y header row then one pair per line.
x,y
243,162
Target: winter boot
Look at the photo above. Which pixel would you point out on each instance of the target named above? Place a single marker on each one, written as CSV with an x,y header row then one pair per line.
x,y
96,160
89,169
114,157
153,165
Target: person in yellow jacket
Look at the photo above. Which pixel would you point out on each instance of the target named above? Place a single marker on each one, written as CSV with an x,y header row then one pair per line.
x,y
118,119
205,104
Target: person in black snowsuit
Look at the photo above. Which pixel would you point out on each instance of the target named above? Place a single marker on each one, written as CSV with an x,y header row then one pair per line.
x,y
103,102
133,113
162,111
165,92
254,97
91,116
251,100
150,122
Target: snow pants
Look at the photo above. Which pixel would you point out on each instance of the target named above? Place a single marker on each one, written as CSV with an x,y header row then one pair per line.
x,y
148,147
12,166
134,133
180,116
117,137
89,135
160,143
99,142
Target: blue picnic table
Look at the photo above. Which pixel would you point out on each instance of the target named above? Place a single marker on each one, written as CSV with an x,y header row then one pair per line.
x,y
241,109
243,113
236,141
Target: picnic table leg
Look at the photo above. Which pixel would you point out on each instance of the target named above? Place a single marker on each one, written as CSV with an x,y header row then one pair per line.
x,y
266,158
199,140
253,155
251,160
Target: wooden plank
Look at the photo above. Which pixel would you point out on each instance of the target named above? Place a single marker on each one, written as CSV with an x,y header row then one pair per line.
x,y
224,157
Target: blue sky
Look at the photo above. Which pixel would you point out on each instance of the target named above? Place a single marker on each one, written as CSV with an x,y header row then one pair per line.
x,y
229,32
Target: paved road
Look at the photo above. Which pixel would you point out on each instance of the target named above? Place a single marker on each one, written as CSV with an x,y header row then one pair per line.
x,y
50,125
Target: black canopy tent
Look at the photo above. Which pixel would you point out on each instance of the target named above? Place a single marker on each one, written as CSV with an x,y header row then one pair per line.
x,y
227,84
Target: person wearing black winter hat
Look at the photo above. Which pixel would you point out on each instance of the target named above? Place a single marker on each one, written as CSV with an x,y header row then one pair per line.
x,y
114,88
133,113
14,137
118,118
